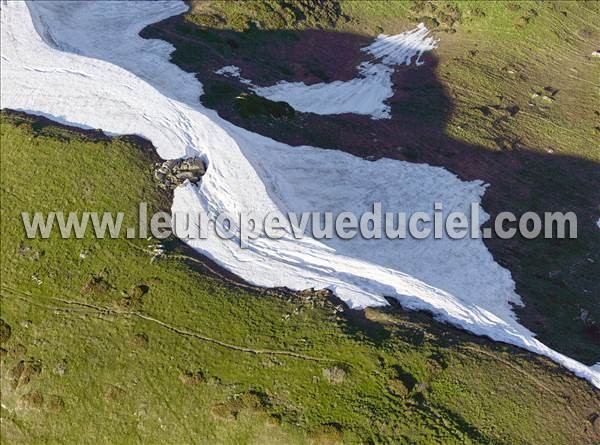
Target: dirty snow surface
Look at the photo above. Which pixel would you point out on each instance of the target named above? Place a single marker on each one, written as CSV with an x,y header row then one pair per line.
x,y
367,93
83,63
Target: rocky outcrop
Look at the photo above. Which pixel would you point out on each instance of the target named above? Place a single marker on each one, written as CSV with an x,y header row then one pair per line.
x,y
175,172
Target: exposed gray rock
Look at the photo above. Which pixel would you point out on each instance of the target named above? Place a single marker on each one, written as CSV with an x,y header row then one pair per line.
x,y
335,374
175,172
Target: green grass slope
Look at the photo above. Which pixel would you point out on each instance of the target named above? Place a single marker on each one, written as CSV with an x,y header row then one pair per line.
x,y
99,344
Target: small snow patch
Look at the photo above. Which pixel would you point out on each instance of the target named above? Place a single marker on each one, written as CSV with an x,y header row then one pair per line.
x,y
402,48
365,94
233,71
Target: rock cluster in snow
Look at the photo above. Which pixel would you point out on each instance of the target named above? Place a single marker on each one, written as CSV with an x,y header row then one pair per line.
x,y
175,172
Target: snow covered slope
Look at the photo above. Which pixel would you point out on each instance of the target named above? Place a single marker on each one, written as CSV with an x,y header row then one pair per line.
x,y
83,63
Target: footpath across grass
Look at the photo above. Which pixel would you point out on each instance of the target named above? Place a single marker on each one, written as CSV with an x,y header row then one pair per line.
x,y
101,345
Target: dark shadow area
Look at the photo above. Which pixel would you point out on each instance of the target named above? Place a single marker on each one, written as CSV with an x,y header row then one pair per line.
x,y
557,279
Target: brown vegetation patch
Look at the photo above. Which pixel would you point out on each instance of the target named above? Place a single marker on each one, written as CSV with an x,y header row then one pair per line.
x,y
135,298
114,393
55,403
139,340
5,331
192,378
22,373
224,411
328,434
18,351
95,286
33,399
